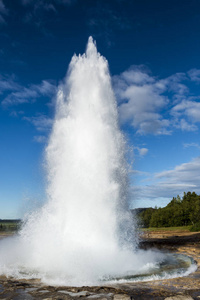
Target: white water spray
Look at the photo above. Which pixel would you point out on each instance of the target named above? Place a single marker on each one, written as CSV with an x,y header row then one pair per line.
x,y
84,233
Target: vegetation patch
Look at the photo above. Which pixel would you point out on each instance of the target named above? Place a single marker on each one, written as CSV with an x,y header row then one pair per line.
x,y
179,228
179,212
9,225
195,227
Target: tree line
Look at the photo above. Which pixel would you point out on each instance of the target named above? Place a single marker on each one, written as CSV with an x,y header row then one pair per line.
x,y
178,212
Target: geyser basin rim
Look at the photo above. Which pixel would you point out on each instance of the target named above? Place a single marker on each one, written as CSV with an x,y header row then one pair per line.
x,y
175,265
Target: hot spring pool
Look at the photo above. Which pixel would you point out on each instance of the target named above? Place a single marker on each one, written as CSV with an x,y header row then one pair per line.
x,y
172,266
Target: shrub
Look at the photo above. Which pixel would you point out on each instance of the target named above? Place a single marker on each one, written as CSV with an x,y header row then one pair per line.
x,y
195,227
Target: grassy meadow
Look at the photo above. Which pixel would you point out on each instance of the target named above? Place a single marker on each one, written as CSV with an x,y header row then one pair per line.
x,y
178,228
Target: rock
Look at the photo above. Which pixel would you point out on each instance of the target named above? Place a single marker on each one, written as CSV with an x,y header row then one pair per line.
x,y
97,297
180,297
79,294
43,291
121,297
101,296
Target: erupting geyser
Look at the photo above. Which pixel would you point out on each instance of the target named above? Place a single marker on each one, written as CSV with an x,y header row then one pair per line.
x,y
84,232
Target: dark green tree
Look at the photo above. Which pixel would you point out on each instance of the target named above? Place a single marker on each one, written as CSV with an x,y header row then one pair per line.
x,y
178,212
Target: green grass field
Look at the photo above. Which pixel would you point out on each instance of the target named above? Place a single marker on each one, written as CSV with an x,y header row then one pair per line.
x,y
181,228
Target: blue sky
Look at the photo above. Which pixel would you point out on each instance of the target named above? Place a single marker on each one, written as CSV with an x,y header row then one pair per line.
x,y
153,52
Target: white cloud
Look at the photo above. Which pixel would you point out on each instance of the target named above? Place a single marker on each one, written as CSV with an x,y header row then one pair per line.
x,y
194,75
139,173
185,172
16,114
183,125
45,88
14,94
137,75
170,183
187,114
187,145
157,106
41,122
8,84
3,12
25,96
141,101
174,83
40,139
141,151
17,94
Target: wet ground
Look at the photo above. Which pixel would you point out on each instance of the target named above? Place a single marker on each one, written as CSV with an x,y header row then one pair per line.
x,y
183,288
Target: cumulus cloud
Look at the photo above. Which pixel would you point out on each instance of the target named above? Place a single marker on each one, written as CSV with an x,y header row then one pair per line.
x,y
141,101
137,75
188,108
141,151
183,125
157,106
174,83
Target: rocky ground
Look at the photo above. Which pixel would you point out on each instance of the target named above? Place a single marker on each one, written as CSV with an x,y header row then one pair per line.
x,y
183,288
